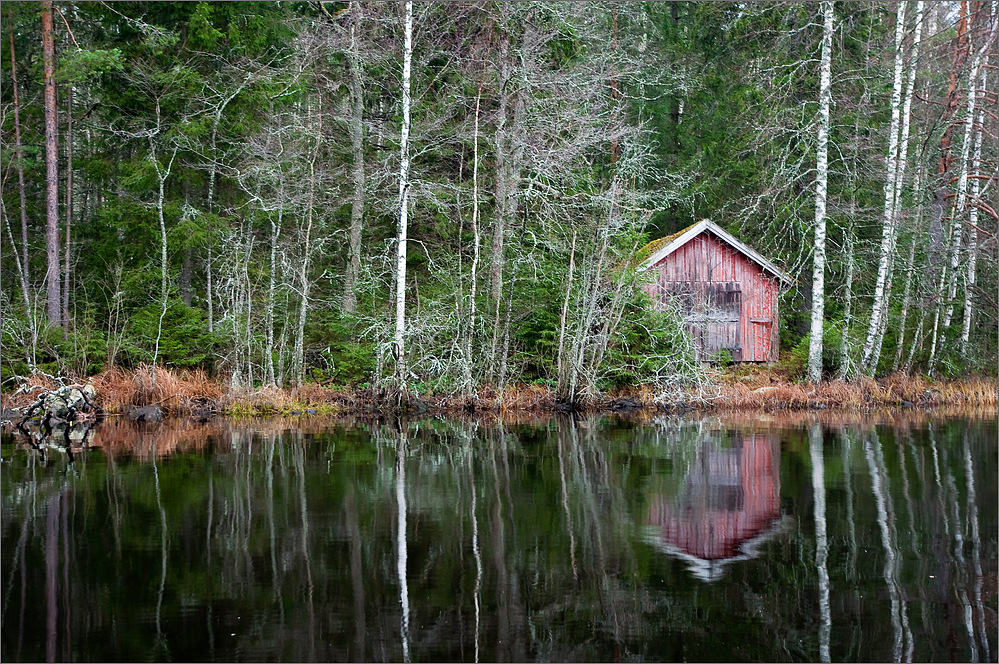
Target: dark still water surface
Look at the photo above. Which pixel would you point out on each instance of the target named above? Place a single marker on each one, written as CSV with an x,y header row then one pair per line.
x,y
700,538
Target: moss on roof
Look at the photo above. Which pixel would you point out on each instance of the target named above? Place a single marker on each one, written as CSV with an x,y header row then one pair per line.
x,y
652,247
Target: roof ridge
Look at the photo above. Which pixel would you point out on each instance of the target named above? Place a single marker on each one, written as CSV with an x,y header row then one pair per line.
x,y
644,257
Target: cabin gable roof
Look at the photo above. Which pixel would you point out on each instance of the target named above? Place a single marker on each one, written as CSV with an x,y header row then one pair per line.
x,y
664,247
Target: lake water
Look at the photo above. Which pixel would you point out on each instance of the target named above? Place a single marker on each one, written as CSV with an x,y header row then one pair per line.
x,y
703,538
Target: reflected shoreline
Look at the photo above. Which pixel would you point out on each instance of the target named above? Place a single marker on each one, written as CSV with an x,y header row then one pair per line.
x,y
119,436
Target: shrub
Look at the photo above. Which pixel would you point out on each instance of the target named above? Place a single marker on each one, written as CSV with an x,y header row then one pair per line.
x,y
184,337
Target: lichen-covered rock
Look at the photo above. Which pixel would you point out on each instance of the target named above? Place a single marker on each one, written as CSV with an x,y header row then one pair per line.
x,y
63,404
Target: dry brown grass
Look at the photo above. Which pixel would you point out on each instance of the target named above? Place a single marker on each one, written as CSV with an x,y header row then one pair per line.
x,y
860,394
174,391
527,398
743,388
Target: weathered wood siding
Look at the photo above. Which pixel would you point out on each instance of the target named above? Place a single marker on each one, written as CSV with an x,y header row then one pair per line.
x,y
714,281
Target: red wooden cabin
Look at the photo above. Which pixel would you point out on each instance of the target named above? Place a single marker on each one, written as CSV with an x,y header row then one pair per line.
x,y
726,291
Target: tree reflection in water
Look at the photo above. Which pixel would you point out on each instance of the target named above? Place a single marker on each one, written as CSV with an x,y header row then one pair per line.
x,y
598,538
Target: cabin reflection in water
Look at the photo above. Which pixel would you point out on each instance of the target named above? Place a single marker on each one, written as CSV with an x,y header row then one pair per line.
x,y
728,503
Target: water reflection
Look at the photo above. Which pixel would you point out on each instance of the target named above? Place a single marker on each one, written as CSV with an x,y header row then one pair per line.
x,y
728,504
587,539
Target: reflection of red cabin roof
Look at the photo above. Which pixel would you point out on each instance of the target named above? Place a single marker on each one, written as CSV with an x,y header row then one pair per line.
x,y
731,496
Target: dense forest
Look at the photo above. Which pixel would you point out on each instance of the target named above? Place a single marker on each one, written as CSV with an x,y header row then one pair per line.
x,y
453,195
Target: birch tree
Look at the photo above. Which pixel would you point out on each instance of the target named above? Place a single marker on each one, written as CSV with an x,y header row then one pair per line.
x,y
821,190
881,292
962,193
18,155
305,282
971,274
399,341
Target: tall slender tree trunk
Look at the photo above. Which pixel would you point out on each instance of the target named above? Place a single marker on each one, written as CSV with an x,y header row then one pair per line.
x,y
976,165
51,170
299,358
881,293
903,149
962,185
162,173
28,310
845,361
357,171
271,289
69,203
476,240
821,185
937,245
563,365
515,159
498,258
212,175
403,227
18,154
906,300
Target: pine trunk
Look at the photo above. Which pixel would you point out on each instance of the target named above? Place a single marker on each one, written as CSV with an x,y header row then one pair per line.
x,y
51,170
357,170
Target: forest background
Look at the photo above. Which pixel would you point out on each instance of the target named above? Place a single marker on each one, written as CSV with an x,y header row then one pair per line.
x,y
452,196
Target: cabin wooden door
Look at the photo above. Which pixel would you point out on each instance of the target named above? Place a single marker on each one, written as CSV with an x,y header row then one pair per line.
x,y
723,312
711,313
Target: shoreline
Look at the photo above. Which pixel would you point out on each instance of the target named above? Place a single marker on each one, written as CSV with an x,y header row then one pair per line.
x,y
148,394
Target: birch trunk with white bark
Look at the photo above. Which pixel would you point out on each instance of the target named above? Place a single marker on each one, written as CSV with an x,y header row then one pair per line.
x,y
298,361
271,290
821,184
19,157
69,204
476,240
162,173
563,363
969,283
845,361
903,149
403,227
977,63
881,292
